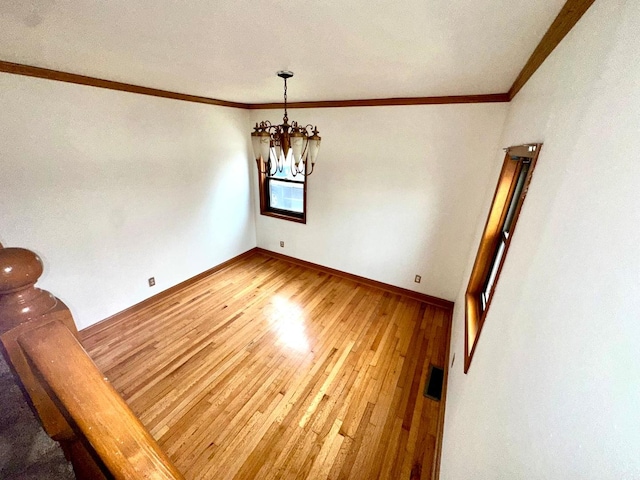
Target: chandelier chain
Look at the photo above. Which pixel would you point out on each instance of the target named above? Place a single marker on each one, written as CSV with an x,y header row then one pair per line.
x,y
286,116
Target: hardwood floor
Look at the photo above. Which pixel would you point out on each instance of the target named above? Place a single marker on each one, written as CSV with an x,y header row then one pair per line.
x,y
267,369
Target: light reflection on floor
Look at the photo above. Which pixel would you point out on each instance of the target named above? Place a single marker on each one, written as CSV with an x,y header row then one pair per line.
x,y
287,321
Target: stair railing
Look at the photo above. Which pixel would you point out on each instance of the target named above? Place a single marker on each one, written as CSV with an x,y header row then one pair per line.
x,y
75,403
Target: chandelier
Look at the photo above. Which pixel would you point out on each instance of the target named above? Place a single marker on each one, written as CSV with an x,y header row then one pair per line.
x,y
290,145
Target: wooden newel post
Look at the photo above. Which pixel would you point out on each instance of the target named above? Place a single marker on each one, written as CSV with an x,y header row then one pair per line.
x,y
23,307
39,339
20,300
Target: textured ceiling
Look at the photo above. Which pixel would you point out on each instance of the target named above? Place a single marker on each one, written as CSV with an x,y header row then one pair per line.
x,y
338,49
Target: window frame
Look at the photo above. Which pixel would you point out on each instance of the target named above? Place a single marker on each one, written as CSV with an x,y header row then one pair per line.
x,y
492,237
265,201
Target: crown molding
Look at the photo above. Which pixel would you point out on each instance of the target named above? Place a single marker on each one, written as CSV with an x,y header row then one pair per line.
x,y
57,75
569,15
46,73
381,102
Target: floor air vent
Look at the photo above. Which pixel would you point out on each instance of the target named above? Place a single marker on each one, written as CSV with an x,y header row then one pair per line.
x,y
433,387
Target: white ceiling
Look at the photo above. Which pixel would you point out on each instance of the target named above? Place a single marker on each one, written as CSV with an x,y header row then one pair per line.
x,y
339,49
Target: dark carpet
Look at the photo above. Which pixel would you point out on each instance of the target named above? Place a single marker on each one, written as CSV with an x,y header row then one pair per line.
x,y
26,451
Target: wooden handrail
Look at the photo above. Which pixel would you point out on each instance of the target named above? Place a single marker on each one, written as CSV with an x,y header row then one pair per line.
x,y
93,406
75,403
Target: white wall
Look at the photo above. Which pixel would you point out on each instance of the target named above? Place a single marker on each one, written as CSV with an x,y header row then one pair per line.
x,y
396,192
111,188
553,391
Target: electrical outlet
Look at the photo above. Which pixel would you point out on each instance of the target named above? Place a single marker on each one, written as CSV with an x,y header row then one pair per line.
x,y
152,281
418,279
282,244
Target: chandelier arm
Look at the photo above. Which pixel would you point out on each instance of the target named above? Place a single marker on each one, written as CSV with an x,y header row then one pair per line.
x,y
271,174
262,172
310,171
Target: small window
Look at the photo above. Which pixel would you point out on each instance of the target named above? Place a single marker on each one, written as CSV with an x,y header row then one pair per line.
x,y
507,201
283,195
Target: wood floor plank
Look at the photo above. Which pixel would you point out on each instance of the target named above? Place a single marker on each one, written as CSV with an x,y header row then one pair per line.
x,y
267,369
